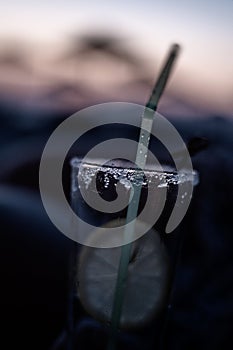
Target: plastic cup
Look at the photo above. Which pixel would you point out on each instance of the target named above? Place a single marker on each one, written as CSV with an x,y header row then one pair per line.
x,y
153,256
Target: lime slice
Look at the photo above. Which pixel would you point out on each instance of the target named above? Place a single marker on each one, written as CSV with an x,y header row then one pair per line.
x,y
147,281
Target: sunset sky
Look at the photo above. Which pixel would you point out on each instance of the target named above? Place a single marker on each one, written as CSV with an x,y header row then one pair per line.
x,y
204,72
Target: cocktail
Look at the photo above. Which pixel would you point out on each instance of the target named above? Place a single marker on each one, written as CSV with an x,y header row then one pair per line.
x,y
153,255
124,257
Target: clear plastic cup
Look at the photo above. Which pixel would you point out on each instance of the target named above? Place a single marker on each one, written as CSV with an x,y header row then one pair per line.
x,y
153,256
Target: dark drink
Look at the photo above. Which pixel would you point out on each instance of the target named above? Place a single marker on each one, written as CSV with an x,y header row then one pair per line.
x,y
152,258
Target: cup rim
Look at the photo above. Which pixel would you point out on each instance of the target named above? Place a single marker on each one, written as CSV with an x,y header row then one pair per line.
x,y
168,172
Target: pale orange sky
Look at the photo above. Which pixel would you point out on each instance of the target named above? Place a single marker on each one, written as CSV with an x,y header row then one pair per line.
x,y
204,71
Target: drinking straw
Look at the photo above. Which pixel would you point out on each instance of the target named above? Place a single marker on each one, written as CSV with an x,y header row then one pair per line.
x,y
141,155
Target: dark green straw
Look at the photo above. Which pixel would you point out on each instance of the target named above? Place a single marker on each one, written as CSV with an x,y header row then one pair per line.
x,y
142,150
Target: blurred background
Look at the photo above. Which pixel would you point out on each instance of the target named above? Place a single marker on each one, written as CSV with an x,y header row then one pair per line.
x,y
64,55
60,56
